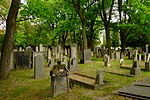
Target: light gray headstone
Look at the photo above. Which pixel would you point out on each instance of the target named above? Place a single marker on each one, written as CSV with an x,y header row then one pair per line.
x,y
39,66
145,56
41,47
117,55
87,55
73,50
106,60
139,57
99,77
147,48
148,58
73,64
36,48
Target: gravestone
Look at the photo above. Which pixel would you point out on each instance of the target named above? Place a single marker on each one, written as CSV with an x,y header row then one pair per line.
x,y
59,79
73,64
145,56
117,55
121,62
49,55
41,47
139,57
36,48
52,62
39,66
135,56
146,49
35,54
135,70
87,55
23,60
73,51
148,57
20,49
147,66
106,60
99,77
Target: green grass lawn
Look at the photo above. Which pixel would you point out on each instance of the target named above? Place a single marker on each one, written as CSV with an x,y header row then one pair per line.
x,y
21,84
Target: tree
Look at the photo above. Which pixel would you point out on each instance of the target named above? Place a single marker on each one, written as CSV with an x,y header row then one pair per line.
x,y
8,41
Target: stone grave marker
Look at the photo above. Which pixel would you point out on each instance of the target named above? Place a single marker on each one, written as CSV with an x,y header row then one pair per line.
x,y
117,55
139,57
145,56
35,54
135,70
73,64
73,51
106,60
41,47
99,77
146,49
39,66
59,79
36,48
148,57
23,60
87,55
147,66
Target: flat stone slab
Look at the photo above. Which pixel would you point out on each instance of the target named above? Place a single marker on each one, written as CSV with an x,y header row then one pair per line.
x,y
84,80
138,92
129,67
143,83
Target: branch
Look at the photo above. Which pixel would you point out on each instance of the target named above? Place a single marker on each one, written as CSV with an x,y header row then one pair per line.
x,y
112,4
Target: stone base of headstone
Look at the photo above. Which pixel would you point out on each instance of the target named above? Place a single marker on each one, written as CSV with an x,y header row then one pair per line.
x,y
147,66
99,77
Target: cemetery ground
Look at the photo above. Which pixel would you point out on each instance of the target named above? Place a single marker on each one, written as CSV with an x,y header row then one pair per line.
x,y
21,84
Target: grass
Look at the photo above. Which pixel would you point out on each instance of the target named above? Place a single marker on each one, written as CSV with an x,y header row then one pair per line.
x,y
21,84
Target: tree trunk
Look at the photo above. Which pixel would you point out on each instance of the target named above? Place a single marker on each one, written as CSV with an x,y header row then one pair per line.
x,y
108,44
8,41
84,33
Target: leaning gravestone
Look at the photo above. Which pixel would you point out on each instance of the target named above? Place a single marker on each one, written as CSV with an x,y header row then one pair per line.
x,y
39,66
23,60
99,77
87,55
59,79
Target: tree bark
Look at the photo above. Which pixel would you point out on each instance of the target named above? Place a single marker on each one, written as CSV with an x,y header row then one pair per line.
x,y
84,34
8,41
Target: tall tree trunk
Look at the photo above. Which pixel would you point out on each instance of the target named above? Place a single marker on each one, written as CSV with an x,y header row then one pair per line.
x,y
8,41
108,44
84,33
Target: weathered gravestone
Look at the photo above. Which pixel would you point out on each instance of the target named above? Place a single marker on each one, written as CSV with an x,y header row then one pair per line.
x,y
99,77
41,47
106,60
117,55
59,79
146,49
139,57
52,62
35,54
87,56
135,70
73,51
23,60
73,64
39,66
147,66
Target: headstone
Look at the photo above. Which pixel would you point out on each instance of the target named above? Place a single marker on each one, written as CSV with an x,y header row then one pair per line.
x,y
36,48
106,60
99,77
135,70
87,55
92,53
20,49
147,49
73,64
121,61
41,47
117,55
39,66
148,58
139,57
49,54
145,56
35,54
147,66
52,62
73,51
135,56
59,79
23,60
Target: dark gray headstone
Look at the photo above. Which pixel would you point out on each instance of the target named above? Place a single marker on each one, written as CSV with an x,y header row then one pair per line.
x,y
135,70
59,79
73,64
87,55
147,66
99,77
39,66
23,60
